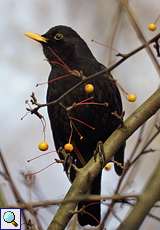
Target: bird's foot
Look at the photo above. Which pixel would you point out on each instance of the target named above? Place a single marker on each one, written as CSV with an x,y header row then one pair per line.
x,y
68,161
100,150
119,164
119,116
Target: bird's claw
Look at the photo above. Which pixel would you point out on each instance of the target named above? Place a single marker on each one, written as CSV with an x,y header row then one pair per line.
x,y
67,160
68,164
119,116
100,150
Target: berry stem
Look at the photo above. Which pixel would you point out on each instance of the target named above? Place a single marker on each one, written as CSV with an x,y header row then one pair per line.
x,y
31,174
40,156
71,133
82,122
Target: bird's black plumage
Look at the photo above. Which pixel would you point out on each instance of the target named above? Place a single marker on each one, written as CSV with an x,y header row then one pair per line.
x,y
65,51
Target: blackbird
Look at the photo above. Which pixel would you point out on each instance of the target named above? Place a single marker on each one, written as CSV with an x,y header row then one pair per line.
x,y
81,117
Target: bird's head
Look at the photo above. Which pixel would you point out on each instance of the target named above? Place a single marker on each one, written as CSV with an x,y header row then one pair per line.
x,y
63,42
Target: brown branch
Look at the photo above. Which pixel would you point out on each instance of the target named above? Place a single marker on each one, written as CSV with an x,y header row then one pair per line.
x,y
11,183
127,166
149,214
129,162
116,21
143,151
16,193
146,201
92,168
47,203
138,142
134,22
154,217
109,210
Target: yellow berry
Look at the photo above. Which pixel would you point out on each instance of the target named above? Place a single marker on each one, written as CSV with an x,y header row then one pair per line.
x,y
131,97
152,26
68,147
43,146
89,88
108,166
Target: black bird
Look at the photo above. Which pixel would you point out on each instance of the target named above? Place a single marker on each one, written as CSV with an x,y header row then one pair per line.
x,y
81,118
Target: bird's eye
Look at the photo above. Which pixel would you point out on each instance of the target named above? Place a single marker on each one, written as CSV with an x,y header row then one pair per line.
x,y
58,36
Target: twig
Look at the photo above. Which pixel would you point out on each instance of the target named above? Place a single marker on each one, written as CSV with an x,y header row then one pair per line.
x,y
145,146
149,214
46,203
12,185
139,32
114,31
149,197
138,142
126,169
16,193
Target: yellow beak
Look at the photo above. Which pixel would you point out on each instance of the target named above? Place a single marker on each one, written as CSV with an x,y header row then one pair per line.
x,y
36,37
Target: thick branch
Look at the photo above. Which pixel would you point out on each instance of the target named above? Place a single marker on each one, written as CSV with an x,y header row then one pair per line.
x,y
92,168
145,202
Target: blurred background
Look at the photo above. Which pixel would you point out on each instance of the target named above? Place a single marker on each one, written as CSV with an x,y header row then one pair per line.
x,y
109,22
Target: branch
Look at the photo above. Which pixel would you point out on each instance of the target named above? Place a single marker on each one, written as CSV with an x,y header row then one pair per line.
x,y
46,203
16,193
13,187
134,22
86,175
146,201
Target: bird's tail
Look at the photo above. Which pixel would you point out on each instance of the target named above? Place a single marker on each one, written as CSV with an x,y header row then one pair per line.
x,y
91,210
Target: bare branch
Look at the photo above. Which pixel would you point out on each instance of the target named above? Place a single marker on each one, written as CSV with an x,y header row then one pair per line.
x,y
146,201
46,203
